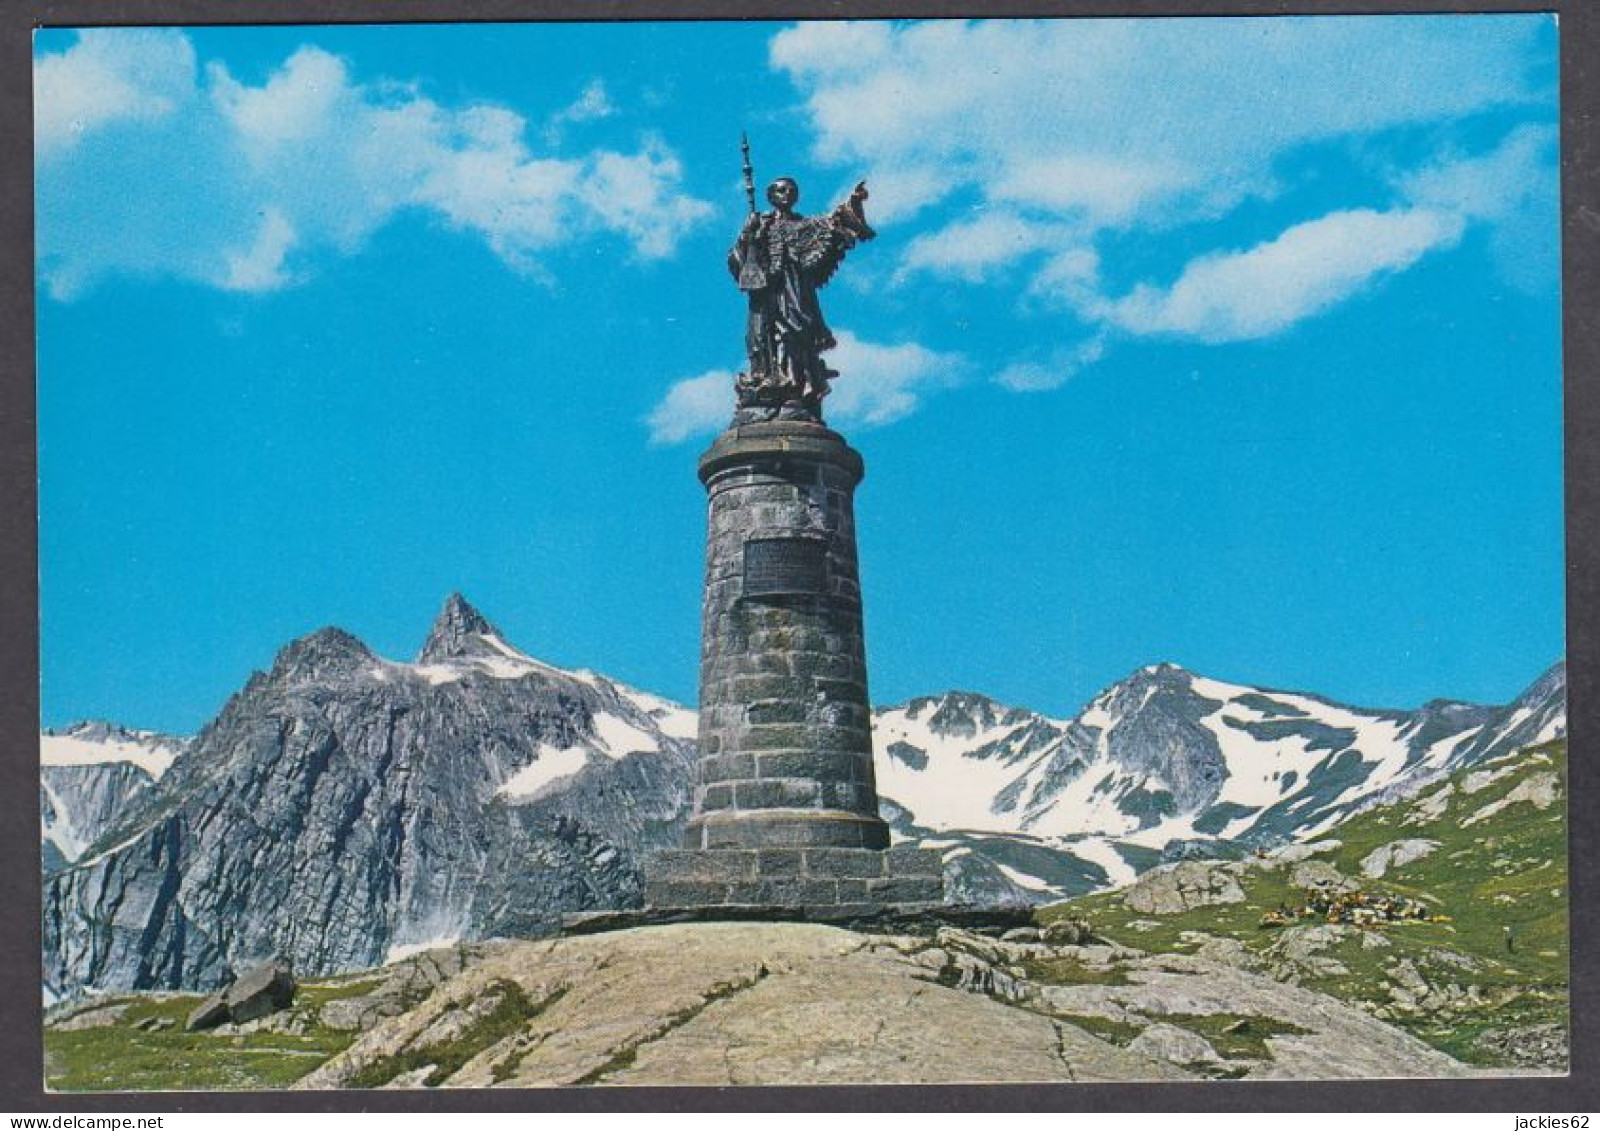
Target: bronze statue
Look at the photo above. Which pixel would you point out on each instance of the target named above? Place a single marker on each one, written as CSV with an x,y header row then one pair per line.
x,y
780,260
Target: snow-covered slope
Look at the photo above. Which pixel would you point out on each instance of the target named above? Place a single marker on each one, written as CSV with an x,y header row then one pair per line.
x,y
89,773
1166,762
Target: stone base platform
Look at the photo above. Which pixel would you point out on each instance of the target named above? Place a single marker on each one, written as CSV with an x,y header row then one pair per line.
x,y
893,918
850,879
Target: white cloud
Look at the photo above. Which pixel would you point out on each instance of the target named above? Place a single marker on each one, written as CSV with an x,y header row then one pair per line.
x,y
295,106
693,406
1515,190
1036,377
877,384
1236,296
310,161
1053,135
259,267
592,104
1263,290
974,249
1123,121
109,76
1110,190
636,194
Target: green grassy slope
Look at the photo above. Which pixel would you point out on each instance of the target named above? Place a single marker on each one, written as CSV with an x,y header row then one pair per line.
x,y
122,1057
1501,862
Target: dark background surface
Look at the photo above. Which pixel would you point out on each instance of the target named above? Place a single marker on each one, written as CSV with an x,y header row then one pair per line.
x,y
21,1057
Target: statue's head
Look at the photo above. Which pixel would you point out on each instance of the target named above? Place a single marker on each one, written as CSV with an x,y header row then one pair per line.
x,y
783,193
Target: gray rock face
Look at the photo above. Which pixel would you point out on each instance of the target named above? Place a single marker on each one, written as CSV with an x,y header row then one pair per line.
x,y
1162,736
1183,887
341,807
89,775
1395,854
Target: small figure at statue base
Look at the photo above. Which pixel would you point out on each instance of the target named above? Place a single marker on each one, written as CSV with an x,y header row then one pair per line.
x,y
780,260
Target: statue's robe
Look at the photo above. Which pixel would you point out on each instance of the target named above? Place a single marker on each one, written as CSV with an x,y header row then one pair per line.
x,y
780,265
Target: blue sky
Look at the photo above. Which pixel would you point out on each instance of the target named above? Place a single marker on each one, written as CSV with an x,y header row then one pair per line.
x,y
1228,342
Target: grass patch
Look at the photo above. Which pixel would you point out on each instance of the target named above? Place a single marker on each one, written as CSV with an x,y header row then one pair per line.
x,y
1065,970
1235,1036
1119,1033
317,996
1458,1035
122,1058
512,1011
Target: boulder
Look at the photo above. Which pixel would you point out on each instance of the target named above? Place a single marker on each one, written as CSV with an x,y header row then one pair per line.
x,y
209,1013
1183,887
1320,874
1021,934
1295,853
259,991
1067,932
1395,854
1183,1047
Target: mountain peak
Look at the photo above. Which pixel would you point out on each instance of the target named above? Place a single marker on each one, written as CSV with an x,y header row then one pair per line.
x,y
1165,676
459,630
1551,685
325,653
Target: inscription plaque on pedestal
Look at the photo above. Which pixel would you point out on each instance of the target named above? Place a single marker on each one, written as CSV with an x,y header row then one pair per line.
x,y
781,567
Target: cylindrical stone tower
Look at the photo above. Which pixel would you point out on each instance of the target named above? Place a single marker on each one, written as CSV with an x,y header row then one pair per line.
x,y
785,724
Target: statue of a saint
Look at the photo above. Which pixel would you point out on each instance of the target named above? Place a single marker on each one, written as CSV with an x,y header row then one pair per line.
x,y
780,260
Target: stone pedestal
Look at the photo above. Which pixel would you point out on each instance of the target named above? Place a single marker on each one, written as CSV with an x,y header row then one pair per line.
x,y
785,806
837,880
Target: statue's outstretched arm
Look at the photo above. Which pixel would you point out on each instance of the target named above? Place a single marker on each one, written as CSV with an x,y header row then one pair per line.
x,y
852,214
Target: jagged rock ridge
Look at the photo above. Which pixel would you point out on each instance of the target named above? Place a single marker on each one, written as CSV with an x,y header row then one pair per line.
x,y
342,807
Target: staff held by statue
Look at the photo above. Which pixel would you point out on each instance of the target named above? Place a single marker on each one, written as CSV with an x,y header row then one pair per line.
x,y
749,173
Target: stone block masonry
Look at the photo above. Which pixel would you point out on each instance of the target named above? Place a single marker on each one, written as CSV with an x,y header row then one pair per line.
x,y
838,878
785,805
785,725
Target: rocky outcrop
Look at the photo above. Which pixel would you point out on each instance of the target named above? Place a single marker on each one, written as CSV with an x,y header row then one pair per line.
x,y
745,1003
1395,854
1314,1037
1182,887
1540,791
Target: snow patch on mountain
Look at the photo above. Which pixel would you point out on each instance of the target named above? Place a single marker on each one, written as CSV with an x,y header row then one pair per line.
x,y
99,744
553,764
1168,757
948,760
619,737
1102,853
90,774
